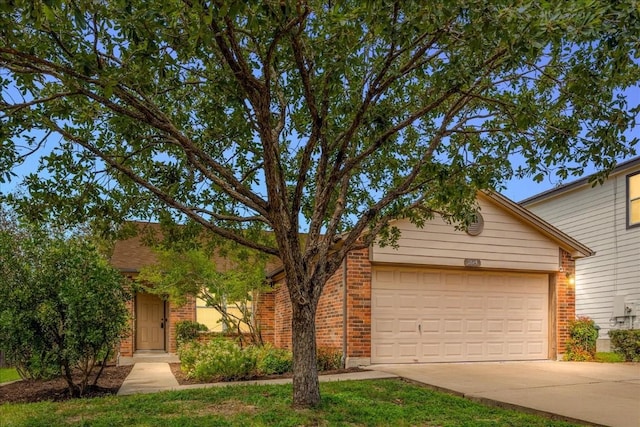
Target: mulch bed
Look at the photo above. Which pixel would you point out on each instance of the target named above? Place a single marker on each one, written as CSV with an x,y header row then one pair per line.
x,y
28,391
183,380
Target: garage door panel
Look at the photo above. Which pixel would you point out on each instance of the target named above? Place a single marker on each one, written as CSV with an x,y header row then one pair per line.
x,y
439,316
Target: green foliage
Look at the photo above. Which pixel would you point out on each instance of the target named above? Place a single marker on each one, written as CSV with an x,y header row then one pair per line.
x,y
187,331
329,359
271,360
604,357
218,359
329,118
626,342
581,345
63,306
180,272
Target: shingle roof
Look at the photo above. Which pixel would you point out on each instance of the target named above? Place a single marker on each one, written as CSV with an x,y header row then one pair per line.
x,y
133,253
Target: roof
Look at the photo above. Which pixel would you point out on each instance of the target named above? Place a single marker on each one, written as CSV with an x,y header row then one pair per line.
x,y
582,182
133,253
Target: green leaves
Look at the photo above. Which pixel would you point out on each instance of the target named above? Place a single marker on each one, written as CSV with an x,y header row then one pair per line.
x,y
63,306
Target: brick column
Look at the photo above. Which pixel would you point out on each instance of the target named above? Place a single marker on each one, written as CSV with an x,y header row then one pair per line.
x,y
265,315
358,308
126,343
566,299
186,311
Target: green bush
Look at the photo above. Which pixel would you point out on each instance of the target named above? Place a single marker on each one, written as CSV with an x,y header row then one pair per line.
x,y
581,346
626,342
271,360
63,307
187,331
329,359
219,359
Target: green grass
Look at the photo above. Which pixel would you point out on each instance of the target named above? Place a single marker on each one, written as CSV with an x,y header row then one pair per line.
x,y
346,403
8,374
609,357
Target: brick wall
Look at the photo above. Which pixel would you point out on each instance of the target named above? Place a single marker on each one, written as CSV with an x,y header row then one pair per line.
x,y
566,299
187,311
359,304
264,304
126,343
274,309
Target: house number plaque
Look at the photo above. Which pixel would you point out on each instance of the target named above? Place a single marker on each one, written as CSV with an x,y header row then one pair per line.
x,y
472,262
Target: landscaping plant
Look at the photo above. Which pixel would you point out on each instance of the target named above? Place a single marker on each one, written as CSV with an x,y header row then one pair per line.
x,y
188,331
63,307
581,346
626,342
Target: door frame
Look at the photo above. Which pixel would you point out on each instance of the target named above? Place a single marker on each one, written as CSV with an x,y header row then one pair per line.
x,y
165,327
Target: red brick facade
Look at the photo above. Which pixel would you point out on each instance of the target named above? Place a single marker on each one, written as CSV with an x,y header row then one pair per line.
x,y
565,299
175,314
274,309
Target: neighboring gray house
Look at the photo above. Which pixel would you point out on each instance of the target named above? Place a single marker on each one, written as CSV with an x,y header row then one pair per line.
x,y
607,219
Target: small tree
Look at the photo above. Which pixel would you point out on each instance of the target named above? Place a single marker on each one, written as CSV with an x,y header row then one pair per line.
x,y
63,307
182,272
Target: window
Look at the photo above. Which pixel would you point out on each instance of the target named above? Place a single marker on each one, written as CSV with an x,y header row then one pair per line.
x,y
633,200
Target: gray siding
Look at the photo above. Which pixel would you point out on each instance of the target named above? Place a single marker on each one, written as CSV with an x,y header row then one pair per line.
x,y
597,217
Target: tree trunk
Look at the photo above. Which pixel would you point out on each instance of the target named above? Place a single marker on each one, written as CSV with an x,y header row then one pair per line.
x,y
306,389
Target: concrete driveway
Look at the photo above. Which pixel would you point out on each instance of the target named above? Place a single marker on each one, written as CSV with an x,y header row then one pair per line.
x,y
597,393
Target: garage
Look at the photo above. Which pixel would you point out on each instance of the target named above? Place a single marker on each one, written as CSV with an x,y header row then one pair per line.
x,y
448,315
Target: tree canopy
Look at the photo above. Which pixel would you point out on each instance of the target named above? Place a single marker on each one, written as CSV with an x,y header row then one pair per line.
x,y
331,118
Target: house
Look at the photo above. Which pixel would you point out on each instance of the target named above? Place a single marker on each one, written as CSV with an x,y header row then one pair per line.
x,y
500,291
153,319
606,218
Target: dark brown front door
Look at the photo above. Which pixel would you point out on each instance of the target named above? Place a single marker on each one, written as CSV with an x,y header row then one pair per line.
x,y
149,322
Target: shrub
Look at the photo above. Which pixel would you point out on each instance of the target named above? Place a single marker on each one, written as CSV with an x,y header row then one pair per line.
x,y
219,359
63,307
581,346
271,360
187,331
329,359
626,342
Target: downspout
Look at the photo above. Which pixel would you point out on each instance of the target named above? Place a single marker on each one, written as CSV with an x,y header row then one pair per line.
x,y
344,311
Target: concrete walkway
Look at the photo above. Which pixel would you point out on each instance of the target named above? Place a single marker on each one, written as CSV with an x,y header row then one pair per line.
x,y
598,393
153,377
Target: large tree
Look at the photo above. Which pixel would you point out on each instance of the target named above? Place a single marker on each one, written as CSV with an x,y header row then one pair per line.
x,y
330,118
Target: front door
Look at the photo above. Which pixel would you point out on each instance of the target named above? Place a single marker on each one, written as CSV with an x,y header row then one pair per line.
x,y
150,322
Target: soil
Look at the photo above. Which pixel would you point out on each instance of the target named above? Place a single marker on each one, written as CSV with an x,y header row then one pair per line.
x,y
56,390
183,380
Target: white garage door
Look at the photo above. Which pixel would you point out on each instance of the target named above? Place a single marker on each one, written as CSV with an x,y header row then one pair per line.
x,y
420,315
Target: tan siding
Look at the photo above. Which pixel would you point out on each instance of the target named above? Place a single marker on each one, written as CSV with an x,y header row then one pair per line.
x,y
597,217
504,243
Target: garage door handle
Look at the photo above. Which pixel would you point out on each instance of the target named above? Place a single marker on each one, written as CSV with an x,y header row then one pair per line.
x,y
420,328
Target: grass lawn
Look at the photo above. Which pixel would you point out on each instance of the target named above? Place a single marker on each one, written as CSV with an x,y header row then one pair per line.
x,y
609,357
352,403
8,374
